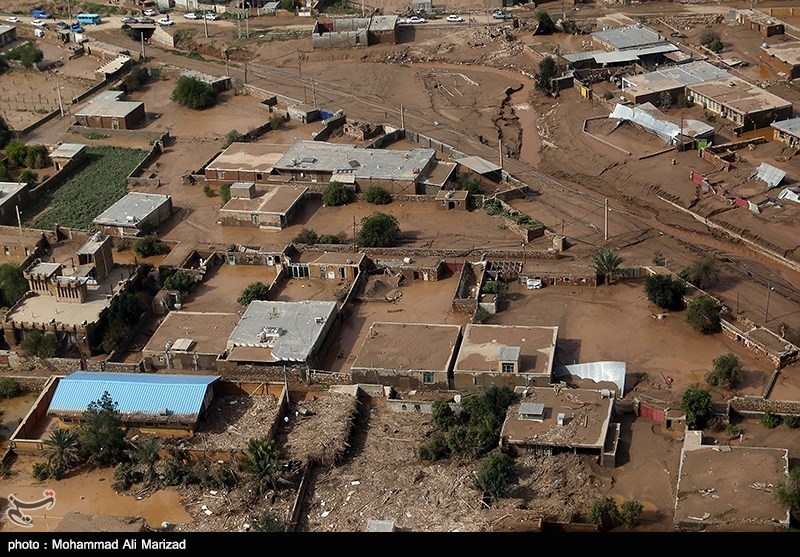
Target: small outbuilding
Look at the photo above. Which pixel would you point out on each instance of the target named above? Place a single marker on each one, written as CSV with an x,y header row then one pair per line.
x,y
135,214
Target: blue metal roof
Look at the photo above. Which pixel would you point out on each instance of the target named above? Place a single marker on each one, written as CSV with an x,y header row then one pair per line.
x,y
134,393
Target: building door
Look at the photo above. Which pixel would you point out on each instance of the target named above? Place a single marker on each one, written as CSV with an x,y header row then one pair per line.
x,y
254,218
114,124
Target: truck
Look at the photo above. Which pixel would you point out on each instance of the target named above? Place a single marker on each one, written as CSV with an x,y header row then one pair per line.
x,y
40,14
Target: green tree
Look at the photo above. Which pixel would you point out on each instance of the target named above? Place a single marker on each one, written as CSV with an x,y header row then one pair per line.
x,y
13,284
378,196
697,404
726,373
605,514
138,76
607,264
496,474
443,415
5,175
261,462
770,420
288,5
268,522
253,291
233,136
16,151
149,246
716,46
664,291
9,388
29,177
703,273
708,36
435,447
62,450
547,71
41,345
546,24
306,236
28,54
379,230
703,313
336,194
144,451
631,511
225,193
180,281
100,432
788,492
194,93
6,133
37,156
664,100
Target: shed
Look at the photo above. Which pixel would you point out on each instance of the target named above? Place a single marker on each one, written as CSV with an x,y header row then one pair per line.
x,y
531,411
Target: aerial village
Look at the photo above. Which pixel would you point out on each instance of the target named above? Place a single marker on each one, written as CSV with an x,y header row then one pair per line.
x,y
333,267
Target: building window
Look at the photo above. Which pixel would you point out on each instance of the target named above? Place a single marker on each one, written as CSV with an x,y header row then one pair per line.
x,y
322,272
428,377
6,250
508,367
342,273
259,176
477,381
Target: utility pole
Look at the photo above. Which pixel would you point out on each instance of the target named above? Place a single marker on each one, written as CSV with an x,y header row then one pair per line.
x,y
141,36
606,220
363,13
500,149
60,103
402,117
300,64
354,235
245,73
205,24
313,93
19,221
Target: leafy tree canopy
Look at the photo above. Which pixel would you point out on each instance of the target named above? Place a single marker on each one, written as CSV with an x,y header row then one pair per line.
x,y
13,284
379,230
253,291
703,314
607,264
726,373
664,291
337,193
697,404
547,71
193,93
100,433
703,273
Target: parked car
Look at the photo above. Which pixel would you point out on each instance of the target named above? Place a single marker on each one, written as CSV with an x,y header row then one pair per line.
x,y
454,18
76,28
211,16
62,25
165,21
414,19
149,12
40,14
128,20
12,19
38,23
146,20
191,15
501,15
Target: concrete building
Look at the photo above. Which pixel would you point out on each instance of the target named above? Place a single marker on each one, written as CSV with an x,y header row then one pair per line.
x,y
269,208
628,38
189,340
748,106
218,83
347,32
272,332
787,131
108,111
784,58
394,170
13,196
68,153
245,162
8,34
135,214
551,420
337,266
650,86
166,405
407,356
112,69
739,478
505,356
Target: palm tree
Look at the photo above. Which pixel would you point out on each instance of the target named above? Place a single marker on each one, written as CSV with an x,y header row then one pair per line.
x,y
702,273
606,264
145,451
62,450
261,462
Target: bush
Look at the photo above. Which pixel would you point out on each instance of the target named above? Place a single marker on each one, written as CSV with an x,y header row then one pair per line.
x,y
378,196
137,77
336,194
604,514
703,314
268,522
13,284
225,193
41,471
329,239
180,281
253,291
149,246
28,54
379,230
732,430
630,512
435,447
664,291
495,287
233,136
727,371
125,477
481,315
9,388
792,422
495,475
770,420
29,177
306,236
194,93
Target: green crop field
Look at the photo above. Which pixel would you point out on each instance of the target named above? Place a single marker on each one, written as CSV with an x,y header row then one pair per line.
x,y
99,183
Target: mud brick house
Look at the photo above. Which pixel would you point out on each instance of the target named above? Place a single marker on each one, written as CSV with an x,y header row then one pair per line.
x,y
650,86
337,266
160,404
67,153
502,355
13,196
8,34
407,356
784,58
414,268
265,207
271,332
346,32
22,246
190,340
135,214
787,131
452,199
396,171
748,106
486,172
551,420
108,111
244,162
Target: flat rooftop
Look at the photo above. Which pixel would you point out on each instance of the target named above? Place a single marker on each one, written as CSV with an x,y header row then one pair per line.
x,y
790,126
340,258
723,484
110,108
587,417
9,189
482,344
623,38
349,160
249,157
269,199
208,330
739,95
788,52
674,77
408,347
132,208
67,150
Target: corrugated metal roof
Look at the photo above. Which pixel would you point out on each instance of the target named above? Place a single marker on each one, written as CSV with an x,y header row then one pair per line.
x,y
479,165
790,126
134,393
653,120
629,37
580,56
768,173
613,372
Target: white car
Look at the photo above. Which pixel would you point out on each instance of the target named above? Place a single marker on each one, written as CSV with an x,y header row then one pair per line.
x,y
165,21
149,12
414,19
455,18
191,15
12,19
211,17
38,23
